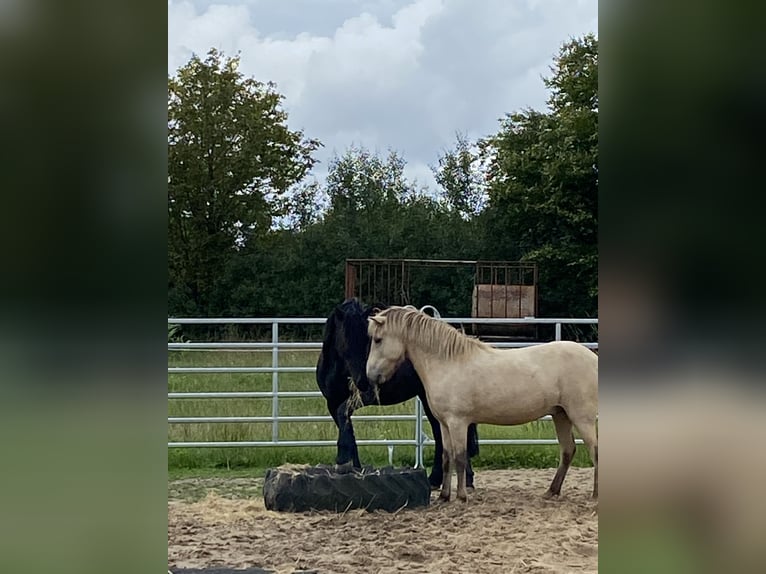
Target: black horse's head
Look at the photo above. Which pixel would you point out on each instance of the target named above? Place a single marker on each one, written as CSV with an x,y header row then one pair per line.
x,y
347,329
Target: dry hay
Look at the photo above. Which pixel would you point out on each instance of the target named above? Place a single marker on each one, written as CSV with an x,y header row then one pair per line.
x,y
293,469
506,526
355,400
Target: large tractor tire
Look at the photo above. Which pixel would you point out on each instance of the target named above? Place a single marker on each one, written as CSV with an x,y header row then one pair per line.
x,y
301,489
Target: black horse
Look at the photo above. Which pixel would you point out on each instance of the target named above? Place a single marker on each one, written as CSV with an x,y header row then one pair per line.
x,y
343,357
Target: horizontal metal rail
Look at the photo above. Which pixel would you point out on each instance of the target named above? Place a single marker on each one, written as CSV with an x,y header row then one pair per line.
x,y
363,442
211,345
244,395
317,346
247,321
519,321
322,320
300,419
241,369
286,419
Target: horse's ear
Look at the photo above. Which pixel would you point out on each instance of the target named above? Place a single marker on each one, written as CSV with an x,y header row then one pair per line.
x,y
376,310
378,319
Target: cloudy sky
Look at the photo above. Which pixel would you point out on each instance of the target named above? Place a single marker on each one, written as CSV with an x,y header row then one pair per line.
x,y
399,74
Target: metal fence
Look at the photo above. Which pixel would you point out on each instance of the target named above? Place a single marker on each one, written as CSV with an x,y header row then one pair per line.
x,y
419,441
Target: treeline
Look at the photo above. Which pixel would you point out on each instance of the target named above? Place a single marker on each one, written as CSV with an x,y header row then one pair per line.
x,y
251,233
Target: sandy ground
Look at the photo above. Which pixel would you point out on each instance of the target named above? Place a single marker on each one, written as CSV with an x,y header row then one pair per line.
x,y
506,526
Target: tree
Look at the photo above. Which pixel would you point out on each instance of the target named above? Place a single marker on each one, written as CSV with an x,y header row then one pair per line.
x,y
461,176
299,270
543,184
360,181
374,212
302,207
366,191
230,155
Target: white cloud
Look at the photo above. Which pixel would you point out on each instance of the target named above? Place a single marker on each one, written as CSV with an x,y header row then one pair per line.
x,y
220,26
393,74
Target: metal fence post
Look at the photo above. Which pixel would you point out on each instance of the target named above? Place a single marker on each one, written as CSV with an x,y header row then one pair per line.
x,y
275,381
418,433
558,331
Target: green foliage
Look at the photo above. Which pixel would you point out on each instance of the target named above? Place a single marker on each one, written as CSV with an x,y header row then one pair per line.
x,y
229,152
374,211
302,208
543,185
363,182
461,176
250,235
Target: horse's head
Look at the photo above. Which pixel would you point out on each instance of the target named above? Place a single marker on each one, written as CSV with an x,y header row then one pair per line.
x,y
351,340
387,350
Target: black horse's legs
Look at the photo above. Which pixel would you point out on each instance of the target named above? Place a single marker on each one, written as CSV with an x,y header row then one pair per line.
x,y
446,491
472,450
347,449
343,455
437,471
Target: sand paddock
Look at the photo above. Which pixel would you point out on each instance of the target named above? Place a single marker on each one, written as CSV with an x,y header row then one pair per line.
x,y
506,526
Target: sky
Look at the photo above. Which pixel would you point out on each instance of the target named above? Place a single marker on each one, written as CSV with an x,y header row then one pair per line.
x,y
405,75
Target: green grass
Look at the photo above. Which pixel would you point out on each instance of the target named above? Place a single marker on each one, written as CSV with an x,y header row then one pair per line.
x,y
196,460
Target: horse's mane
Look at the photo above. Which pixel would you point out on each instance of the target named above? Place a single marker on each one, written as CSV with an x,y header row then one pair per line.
x,y
433,334
355,309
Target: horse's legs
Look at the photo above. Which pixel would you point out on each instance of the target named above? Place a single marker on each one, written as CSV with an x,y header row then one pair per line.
x,y
587,429
446,462
437,472
458,436
347,449
472,450
567,450
341,456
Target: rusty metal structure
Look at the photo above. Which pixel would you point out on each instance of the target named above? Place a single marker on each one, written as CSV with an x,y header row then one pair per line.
x,y
458,288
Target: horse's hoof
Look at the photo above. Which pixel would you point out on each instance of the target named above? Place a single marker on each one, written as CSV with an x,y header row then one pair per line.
x,y
549,495
470,488
443,499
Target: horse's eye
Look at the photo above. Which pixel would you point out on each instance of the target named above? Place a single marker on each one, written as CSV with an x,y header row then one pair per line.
x,y
377,340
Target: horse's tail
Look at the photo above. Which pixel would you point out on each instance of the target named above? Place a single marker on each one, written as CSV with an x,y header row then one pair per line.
x,y
473,441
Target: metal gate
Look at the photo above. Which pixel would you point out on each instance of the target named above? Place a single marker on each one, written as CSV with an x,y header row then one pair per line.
x,y
419,440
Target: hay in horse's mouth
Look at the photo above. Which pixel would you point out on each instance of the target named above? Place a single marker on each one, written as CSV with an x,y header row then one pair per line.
x,y
355,400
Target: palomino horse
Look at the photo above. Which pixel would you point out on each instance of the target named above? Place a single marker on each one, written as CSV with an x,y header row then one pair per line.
x,y
467,381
